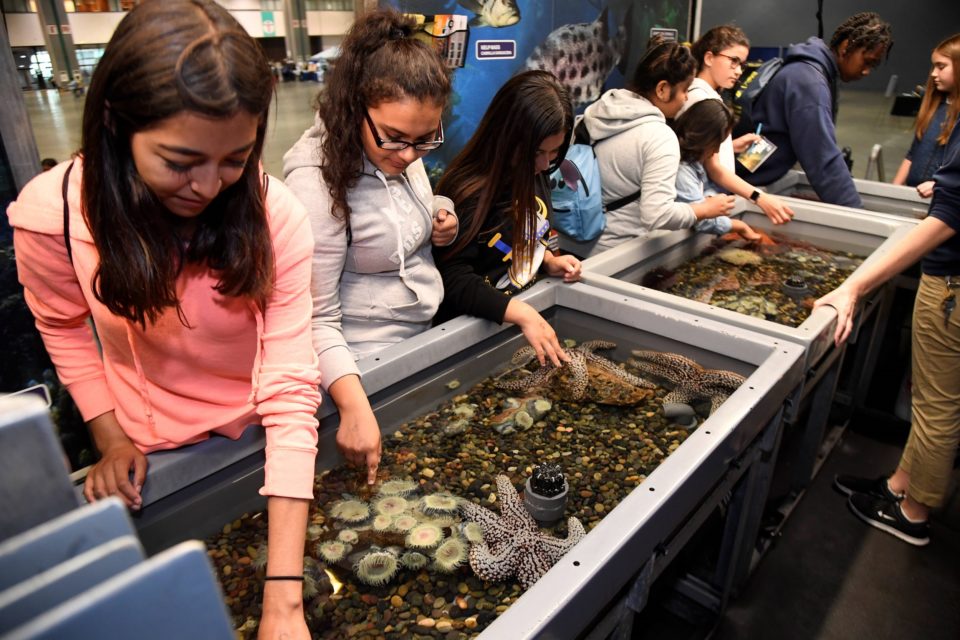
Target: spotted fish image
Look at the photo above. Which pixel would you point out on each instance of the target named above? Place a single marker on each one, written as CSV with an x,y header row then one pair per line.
x,y
493,13
581,56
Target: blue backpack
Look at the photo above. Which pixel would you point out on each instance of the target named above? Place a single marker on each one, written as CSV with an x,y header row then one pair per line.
x,y
576,192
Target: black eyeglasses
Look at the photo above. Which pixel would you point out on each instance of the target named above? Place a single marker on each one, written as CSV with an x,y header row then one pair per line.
x,y
735,62
400,145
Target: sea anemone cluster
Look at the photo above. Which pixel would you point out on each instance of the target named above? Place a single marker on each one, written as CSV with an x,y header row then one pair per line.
x,y
396,530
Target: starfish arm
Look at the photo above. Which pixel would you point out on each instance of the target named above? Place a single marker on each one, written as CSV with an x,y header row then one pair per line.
x,y
512,511
495,529
716,401
531,567
491,566
678,396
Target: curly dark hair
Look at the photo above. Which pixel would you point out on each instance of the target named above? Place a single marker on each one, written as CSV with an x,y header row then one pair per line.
x,y
866,30
163,59
716,40
500,156
664,60
379,61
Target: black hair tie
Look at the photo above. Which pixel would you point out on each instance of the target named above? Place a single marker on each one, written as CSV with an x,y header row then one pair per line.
x,y
297,578
399,33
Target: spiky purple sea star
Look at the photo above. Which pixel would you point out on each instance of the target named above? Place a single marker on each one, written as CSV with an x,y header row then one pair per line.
x,y
513,544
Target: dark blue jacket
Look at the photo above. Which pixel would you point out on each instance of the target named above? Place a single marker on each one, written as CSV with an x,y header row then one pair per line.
x,y
945,206
797,109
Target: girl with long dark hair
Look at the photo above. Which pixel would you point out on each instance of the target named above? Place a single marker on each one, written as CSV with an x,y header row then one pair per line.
x,y
498,182
193,266
359,172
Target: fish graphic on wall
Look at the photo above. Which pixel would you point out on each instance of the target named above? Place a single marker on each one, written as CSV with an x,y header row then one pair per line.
x,y
493,13
581,56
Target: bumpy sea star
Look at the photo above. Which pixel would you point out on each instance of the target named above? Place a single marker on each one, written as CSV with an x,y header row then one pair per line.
x,y
512,543
691,381
586,376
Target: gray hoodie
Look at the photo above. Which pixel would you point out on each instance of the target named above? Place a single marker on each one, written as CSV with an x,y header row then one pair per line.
x,y
636,149
380,288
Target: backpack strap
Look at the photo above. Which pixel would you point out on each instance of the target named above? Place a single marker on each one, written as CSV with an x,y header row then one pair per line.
x,y
581,136
66,212
622,202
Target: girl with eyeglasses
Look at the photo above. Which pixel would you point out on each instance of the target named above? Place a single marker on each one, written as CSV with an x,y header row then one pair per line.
x,y
193,266
720,54
359,172
499,184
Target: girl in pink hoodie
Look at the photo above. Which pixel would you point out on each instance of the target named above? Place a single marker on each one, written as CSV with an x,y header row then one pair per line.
x,y
193,266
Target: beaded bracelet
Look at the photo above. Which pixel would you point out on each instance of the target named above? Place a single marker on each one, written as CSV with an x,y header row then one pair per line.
x,y
298,578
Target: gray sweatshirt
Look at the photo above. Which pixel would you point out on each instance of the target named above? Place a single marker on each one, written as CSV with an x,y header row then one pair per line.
x,y
636,149
383,286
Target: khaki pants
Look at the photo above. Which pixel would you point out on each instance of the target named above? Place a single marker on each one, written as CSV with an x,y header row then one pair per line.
x,y
935,431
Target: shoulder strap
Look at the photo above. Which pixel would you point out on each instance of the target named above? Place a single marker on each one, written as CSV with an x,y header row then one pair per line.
x,y
66,212
622,202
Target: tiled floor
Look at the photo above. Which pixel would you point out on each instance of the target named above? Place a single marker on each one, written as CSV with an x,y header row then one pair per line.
x,y
864,120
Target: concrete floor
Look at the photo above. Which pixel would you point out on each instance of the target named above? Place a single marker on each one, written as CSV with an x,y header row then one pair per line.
x,y
864,120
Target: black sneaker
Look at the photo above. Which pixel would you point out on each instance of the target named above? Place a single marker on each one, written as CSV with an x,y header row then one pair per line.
x,y
887,516
876,487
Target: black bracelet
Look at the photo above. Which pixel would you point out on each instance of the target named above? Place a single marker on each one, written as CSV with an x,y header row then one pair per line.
x,y
298,578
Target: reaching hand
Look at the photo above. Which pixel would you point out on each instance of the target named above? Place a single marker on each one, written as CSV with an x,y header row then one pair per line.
x,y
844,300
774,208
566,265
445,227
110,476
358,439
537,331
282,617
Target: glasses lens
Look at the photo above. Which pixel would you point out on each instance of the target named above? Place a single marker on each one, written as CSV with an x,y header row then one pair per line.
x,y
394,145
427,146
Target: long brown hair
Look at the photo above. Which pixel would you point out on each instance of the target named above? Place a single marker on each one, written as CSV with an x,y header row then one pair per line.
x,y
932,97
379,61
501,156
165,58
716,40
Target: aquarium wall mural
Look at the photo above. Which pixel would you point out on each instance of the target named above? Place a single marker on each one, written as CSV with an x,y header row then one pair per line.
x,y
588,44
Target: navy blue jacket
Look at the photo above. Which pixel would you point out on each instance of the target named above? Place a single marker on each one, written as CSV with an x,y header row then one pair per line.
x,y
797,109
945,206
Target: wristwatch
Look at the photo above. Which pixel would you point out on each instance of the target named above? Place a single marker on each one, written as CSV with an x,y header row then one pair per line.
x,y
755,195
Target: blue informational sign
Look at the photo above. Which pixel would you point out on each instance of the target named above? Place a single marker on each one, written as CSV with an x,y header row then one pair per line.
x,y
496,49
590,46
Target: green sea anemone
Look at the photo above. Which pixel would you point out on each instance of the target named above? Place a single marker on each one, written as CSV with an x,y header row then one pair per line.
x,y
424,536
314,531
472,532
413,560
332,550
439,503
397,488
350,511
258,560
405,522
376,568
348,536
382,522
391,505
450,555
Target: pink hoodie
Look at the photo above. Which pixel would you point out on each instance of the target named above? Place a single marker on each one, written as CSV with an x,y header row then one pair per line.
x,y
172,385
